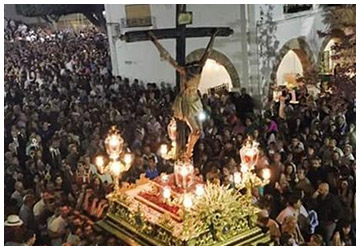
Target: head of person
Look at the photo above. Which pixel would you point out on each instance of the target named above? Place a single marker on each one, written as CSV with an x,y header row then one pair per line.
x,y
29,238
316,240
289,170
301,174
147,149
287,239
243,91
332,143
19,186
263,217
345,228
316,162
58,180
295,201
277,157
335,156
65,211
323,189
151,162
29,200
73,149
348,150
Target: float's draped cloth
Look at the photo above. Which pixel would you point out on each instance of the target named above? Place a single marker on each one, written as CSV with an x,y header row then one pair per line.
x,y
188,103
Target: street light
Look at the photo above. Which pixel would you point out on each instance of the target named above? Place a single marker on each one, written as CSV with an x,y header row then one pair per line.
x,y
118,161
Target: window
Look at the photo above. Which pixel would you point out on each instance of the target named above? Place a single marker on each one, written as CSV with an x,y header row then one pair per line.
x,y
138,15
294,8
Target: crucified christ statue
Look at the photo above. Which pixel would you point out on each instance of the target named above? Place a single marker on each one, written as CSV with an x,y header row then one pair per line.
x,y
187,104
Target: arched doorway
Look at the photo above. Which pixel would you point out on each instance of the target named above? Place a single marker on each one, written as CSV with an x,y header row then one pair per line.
x,y
327,64
289,68
218,71
299,57
327,61
214,75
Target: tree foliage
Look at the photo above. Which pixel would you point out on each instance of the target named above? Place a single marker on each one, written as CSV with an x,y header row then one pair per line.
x,y
52,12
342,17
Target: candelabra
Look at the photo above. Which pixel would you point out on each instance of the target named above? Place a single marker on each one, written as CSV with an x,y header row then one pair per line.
x,y
118,160
247,177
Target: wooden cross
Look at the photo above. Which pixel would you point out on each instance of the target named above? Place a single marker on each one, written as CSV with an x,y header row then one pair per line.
x,y
180,33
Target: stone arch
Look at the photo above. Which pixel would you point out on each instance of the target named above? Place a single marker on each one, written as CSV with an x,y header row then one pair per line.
x,y
221,59
336,33
301,49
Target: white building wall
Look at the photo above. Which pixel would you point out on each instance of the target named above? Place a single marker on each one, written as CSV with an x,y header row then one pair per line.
x,y
141,59
303,24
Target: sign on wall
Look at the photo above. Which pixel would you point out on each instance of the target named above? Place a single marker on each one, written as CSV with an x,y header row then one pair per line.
x,y
138,15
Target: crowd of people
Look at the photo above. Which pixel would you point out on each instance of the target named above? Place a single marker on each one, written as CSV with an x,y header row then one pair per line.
x,y
61,99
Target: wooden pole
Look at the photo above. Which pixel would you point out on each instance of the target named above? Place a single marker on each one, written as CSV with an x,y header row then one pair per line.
x,y
180,58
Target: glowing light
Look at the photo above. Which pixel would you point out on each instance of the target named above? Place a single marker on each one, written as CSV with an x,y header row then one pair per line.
x,y
166,192
164,178
244,168
266,173
187,201
237,178
184,171
202,116
116,168
128,159
114,142
99,161
163,149
199,190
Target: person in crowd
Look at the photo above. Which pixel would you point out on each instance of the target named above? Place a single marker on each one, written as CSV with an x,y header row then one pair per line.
x,y
329,210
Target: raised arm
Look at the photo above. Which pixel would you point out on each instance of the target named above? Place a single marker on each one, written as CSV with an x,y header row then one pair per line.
x,y
208,48
165,54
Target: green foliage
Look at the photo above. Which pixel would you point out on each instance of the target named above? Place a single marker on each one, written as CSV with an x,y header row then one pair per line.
x,y
219,210
342,17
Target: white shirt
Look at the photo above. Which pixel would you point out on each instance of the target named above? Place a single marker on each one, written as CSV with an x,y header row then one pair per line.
x,y
290,211
56,226
39,208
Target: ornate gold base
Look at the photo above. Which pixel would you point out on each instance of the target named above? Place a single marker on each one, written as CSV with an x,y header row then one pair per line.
x,y
130,236
136,222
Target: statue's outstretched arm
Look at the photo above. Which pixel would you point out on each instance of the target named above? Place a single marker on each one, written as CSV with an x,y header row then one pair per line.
x,y
165,54
208,48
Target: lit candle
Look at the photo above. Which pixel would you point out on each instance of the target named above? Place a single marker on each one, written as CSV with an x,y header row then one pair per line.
x,y
244,168
116,168
99,161
237,178
199,190
114,141
166,192
163,149
184,171
164,177
266,173
187,201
